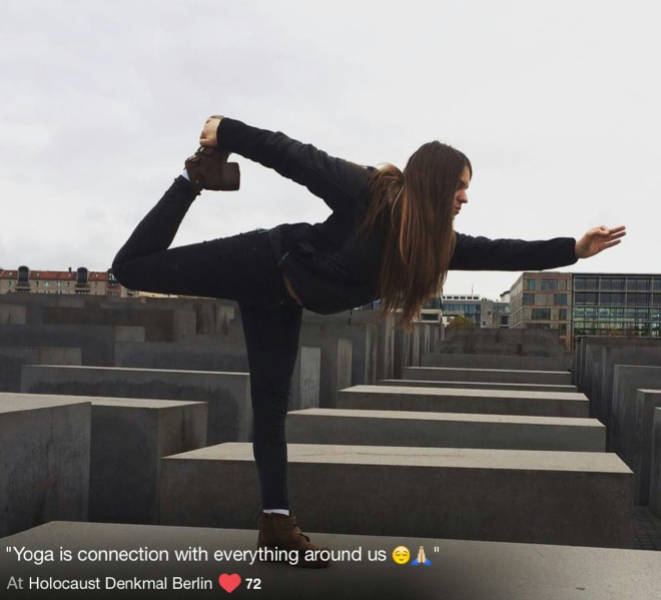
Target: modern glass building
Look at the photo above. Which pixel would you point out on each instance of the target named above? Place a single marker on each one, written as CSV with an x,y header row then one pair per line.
x,y
616,304
579,304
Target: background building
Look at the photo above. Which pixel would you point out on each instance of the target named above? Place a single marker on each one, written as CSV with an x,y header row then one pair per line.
x,y
80,281
616,304
467,306
579,304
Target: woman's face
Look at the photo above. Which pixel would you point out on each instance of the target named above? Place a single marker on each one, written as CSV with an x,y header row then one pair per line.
x,y
460,196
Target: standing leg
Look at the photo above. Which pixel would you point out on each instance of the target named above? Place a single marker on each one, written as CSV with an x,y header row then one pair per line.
x,y
272,335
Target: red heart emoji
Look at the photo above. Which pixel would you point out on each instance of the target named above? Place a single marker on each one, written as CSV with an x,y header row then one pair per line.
x,y
229,582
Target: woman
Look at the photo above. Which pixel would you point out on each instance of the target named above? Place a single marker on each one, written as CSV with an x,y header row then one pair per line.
x,y
390,236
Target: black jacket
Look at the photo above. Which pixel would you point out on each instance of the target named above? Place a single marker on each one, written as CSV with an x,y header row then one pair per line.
x,y
328,268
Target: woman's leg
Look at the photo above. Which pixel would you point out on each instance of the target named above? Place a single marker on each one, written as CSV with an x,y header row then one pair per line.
x,y
240,267
272,336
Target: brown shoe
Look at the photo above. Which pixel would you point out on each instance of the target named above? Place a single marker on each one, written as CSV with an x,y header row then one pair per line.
x,y
208,169
281,532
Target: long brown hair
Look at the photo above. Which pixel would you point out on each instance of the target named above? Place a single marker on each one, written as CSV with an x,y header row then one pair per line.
x,y
415,208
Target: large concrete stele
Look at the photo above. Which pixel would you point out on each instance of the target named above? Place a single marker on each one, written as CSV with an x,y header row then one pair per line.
x,y
44,460
461,493
480,385
551,404
450,430
228,394
487,375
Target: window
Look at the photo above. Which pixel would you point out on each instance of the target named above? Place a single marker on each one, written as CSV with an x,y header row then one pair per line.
x,y
612,283
657,285
530,284
549,284
585,283
612,298
638,299
562,314
529,298
561,299
638,284
586,298
541,314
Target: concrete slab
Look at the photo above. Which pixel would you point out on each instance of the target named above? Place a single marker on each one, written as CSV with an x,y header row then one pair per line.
x,y
96,342
454,430
632,421
646,402
129,437
228,394
655,467
490,375
12,359
542,387
494,361
462,493
514,571
510,402
44,460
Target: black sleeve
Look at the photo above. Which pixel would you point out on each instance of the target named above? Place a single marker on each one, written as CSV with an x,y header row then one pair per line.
x,y
483,254
336,181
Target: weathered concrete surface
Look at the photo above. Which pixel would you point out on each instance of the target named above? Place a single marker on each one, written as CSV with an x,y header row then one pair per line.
x,y
582,344
632,422
129,437
228,394
487,375
655,467
465,493
44,460
542,387
457,571
494,361
551,404
96,342
12,359
12,313
600,377
450,430
182,355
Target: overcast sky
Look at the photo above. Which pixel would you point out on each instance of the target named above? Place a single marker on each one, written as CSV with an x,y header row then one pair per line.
x,y
557,104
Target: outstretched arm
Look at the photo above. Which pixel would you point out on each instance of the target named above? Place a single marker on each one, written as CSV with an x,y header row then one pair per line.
x,y
482,254
336,181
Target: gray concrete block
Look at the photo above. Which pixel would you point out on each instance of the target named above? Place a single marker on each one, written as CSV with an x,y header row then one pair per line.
x,y
436,430
44,460
466,493
639,354
487,375
542,387
655,466
336,363
494,361
550,404
646,402
228,394
96,342
12,314
516,571
306,380
12,359
223,356
129,437
159,324
631,422
129,333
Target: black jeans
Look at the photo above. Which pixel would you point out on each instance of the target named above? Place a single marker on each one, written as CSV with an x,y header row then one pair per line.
x,y
242,268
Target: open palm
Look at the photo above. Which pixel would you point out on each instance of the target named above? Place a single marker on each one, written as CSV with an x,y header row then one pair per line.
x,y
598,239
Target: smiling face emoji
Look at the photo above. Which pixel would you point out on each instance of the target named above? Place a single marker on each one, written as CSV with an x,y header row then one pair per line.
x,y
401,555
